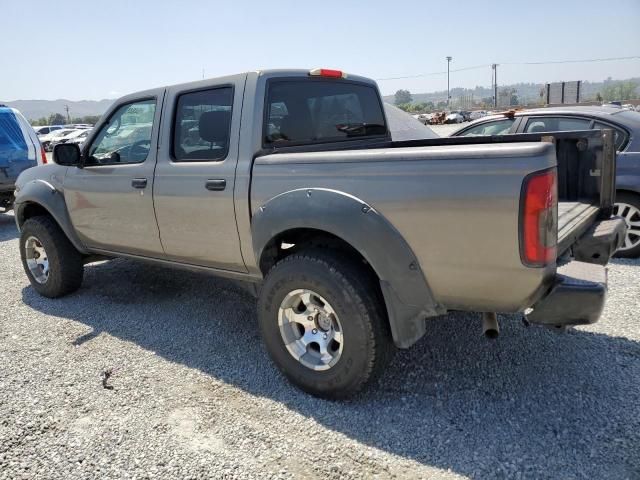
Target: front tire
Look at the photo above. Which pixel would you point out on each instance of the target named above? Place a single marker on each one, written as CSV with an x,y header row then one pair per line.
x,y
627,206
52,264
324,324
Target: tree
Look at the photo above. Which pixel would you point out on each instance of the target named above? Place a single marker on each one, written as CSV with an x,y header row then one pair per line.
x,y
423,107
38,122
619,91
487,102
57,119
403,96
91,119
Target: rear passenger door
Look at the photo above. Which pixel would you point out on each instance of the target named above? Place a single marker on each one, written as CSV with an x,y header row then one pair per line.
x,y
195,174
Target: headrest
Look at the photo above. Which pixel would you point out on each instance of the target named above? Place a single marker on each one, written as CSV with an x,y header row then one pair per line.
x,y
296,128
538,129
214,126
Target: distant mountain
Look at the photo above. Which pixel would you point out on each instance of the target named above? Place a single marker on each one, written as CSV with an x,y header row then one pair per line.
x,y
35,109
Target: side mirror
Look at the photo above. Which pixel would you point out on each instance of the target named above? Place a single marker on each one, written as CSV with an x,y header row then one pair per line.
x,y
67,154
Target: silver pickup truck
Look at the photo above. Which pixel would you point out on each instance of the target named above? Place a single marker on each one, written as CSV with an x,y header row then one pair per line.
x,y
290,180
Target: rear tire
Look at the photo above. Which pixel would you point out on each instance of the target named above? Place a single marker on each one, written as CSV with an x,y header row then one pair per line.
x,y
348,290
628,206
52,264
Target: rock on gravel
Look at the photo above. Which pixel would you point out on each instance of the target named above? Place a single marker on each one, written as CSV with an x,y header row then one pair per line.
x,y
195,395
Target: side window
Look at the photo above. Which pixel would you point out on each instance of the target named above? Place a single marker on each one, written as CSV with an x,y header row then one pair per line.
x,y
620,137
202,125
126,137
556,124
499,127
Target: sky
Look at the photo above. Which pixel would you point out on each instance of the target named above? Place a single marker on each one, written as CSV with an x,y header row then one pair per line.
x,y
93,50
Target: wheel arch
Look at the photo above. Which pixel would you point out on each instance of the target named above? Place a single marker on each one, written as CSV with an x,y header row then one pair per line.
x,y
339,220
41,198
629,190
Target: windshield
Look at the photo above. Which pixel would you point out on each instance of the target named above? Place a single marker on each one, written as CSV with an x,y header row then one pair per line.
x,y
75,134
60,133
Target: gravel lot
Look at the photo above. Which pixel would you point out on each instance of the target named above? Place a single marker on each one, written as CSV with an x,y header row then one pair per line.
x,y
195,396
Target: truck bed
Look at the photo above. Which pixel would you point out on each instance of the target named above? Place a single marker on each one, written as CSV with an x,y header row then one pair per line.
x,y
586,175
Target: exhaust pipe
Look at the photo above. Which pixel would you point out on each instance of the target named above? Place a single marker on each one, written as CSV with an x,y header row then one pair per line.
x,y
490,327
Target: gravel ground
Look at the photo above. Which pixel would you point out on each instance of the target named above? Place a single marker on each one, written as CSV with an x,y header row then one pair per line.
x,y
195,396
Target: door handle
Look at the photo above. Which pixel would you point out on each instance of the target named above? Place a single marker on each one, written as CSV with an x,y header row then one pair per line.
x,y
139,183
216,184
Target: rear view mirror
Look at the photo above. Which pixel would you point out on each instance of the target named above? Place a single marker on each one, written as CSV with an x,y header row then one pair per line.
x,y
67,154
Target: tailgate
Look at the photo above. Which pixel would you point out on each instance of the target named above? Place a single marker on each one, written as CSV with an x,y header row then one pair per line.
x,y
586,182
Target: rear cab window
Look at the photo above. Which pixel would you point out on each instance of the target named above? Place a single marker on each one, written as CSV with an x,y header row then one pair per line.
x,y
311,111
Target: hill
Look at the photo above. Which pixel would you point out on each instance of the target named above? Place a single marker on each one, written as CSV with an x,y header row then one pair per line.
x,y
526,92
34,109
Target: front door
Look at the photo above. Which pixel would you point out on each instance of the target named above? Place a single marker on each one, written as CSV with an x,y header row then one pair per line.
x,y
195,175
110,199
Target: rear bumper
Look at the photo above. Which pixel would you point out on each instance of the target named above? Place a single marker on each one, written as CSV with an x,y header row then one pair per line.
x,y
579,289
576,298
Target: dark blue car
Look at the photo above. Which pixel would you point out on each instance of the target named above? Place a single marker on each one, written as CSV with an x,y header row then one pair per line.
x,y
19,149
625,124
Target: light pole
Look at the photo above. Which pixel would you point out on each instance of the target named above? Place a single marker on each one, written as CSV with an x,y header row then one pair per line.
x,y
448,96
494,66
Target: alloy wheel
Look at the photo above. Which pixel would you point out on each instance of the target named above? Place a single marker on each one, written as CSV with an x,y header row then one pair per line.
x,y
310,329
631,215
37,259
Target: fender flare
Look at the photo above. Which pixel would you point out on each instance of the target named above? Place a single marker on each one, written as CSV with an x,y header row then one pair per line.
x,y
407,295
45,195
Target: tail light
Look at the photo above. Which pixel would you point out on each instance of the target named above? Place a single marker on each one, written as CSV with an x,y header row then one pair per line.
x,y
539,218
325,72
43,155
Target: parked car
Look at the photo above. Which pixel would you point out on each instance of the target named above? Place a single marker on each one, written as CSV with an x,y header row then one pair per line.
x,y
349,239
454,117
75,136
80,137
19,150
46,140
46,129
466,115
477,114
626,127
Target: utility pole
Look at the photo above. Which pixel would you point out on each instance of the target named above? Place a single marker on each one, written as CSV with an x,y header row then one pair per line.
x,y
494,66
66,107
448,95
